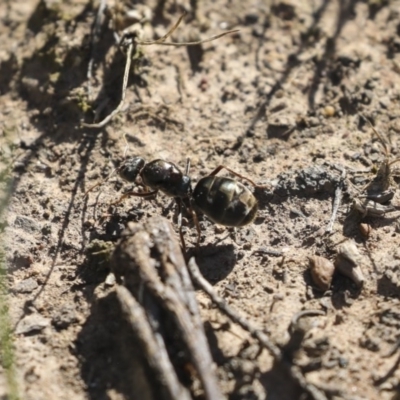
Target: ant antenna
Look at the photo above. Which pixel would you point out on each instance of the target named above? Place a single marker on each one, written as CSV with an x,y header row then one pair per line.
x,y
187,166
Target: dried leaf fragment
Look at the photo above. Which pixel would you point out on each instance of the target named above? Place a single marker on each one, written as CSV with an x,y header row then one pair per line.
x,y
321,272
348,262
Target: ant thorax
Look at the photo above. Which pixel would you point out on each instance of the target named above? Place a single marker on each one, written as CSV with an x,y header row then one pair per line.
x,y
166,177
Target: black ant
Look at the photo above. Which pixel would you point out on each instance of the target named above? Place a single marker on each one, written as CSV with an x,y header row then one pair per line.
x,y
223,200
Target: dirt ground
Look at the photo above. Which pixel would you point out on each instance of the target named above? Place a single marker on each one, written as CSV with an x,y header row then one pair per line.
x,y
285,102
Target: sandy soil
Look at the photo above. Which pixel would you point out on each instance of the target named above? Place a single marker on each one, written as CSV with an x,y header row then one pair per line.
x,y
280,102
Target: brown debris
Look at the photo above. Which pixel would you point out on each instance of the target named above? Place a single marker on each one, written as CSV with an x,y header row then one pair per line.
x,y
321,272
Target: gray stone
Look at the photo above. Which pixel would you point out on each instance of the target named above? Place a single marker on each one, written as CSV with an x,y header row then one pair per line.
x,y
32,323
26,224
26,286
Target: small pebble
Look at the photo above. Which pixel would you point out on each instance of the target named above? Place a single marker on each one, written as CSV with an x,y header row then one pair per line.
x,y
26,286
32,323
329,111
365,230
64,317
348,262
26,224
110,279
321,272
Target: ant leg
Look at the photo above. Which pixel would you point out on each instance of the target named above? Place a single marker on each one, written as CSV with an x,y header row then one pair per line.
x,y
196,222
187,166
220,167
179,203
136,194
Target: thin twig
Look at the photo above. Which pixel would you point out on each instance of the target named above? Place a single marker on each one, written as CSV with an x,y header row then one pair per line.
x,y
169,284
220,302
133,44
154,349
124,85
336,202
262,338
95,36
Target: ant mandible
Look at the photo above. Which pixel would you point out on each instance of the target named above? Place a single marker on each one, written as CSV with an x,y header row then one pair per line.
x,y
223,200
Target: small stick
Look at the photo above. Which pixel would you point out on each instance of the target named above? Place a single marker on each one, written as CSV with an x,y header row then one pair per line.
x,y
199,280
133,44
169,284
124,85
336,202
262,338
270,252
155,350
95,36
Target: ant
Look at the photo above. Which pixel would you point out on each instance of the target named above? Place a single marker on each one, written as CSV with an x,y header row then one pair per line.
x,y
224,201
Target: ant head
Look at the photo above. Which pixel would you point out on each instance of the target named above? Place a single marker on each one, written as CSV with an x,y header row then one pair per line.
x,y
130,168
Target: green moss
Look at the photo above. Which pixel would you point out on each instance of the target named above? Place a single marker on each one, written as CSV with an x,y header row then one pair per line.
x,y
7,358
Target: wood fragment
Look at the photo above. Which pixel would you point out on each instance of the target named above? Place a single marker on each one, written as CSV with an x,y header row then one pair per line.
x,y
154,349
336,202
149,261
260,336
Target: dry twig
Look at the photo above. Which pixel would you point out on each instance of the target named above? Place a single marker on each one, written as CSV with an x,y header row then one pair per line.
x,y
130,41
336,202
262,338
149,261
152,344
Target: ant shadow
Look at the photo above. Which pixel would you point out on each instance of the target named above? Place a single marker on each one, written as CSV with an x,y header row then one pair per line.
x,y
215,262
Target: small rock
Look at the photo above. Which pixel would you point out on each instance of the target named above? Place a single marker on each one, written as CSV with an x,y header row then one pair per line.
x,y
64,317
365,230
321,272
110,279
26,224
329,111
349,261
32,323
22,259
251,17
26,286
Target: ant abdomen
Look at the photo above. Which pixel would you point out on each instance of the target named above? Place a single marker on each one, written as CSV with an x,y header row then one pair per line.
x,y
225,201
